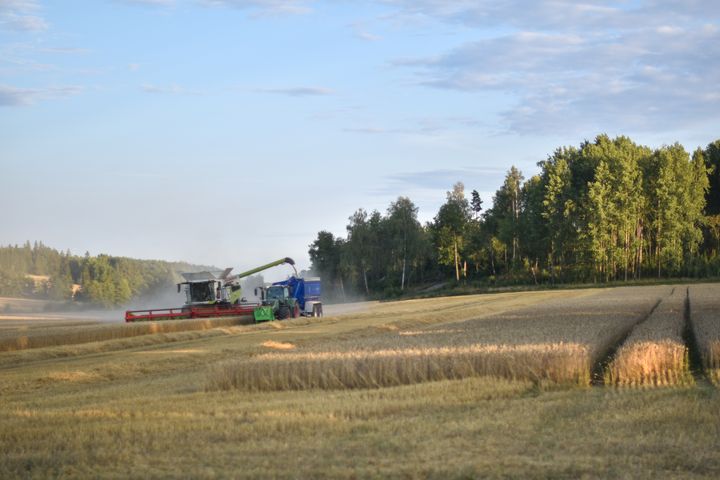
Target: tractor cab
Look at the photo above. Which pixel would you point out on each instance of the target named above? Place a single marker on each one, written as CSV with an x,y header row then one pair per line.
x,y
276,292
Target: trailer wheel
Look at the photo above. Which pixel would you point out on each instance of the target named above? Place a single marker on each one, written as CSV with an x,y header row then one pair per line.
x,y
317,311
283,312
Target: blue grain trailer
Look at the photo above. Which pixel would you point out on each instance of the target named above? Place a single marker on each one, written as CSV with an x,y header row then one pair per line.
x,y
307,292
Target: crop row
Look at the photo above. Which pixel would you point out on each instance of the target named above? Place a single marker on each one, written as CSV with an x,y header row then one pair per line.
x,y
655,352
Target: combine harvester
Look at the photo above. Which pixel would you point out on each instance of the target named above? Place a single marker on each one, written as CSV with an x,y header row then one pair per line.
x,y
215,294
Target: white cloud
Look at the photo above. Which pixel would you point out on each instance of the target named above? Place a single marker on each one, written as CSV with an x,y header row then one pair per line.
x,y
12,97
151,3
361,31
651,75
15,97
171,89
20,15
568,15
442,178
669,30
368,36
298,91
266,6
420,126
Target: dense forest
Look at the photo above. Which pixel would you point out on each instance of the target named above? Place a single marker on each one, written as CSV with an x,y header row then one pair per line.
x,y
38,271
608,210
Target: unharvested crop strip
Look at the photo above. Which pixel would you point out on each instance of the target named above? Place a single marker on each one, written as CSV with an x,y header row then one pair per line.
x,y
558,363
655,354
597,375
100,333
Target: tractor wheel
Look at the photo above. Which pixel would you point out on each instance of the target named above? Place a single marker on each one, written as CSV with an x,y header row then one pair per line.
x,y
283,312
296,311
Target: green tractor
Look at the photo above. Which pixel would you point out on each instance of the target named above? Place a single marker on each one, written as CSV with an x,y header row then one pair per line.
x,y
277,304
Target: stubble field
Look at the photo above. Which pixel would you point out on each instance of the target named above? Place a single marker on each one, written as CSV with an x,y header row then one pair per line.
x,y
557,384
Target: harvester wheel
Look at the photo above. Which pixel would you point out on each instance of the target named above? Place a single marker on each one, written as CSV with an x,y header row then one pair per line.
x,y
283,312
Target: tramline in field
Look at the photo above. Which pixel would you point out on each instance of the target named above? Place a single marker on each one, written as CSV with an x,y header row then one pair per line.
x,y
218,294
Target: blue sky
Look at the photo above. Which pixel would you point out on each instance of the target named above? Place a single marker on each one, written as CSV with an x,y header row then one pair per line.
x,y
231,132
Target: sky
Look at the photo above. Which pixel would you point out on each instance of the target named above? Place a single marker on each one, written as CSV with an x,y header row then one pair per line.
x,y
230,132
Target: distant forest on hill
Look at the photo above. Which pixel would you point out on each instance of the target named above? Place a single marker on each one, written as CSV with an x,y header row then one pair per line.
x,y
38,271
608,210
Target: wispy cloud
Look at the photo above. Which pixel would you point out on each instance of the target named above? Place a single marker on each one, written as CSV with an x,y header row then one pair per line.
x,y
171,89
608,67
21,15
64,50
16,97
547,15
13,97
371,130
297,91
150,3
441,179
370,37
292,7
420,126
361,29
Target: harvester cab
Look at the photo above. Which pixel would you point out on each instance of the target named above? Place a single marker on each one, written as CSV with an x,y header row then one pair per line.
x,y
204,288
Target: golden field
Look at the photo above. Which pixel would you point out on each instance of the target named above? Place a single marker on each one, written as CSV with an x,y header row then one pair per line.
x,y
147,406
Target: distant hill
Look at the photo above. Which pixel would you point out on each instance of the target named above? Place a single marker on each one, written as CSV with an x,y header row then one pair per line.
x,y
37,271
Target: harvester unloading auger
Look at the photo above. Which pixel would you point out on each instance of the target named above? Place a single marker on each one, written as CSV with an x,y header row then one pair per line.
x,y
218,294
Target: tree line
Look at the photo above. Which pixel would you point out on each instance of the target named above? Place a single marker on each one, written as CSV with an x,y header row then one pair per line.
x,y
607,210
103,280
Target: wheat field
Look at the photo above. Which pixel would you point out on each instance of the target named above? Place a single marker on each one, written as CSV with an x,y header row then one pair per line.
x,y
140,407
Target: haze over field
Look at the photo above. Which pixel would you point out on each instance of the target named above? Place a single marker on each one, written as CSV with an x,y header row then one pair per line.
x,y
229,132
